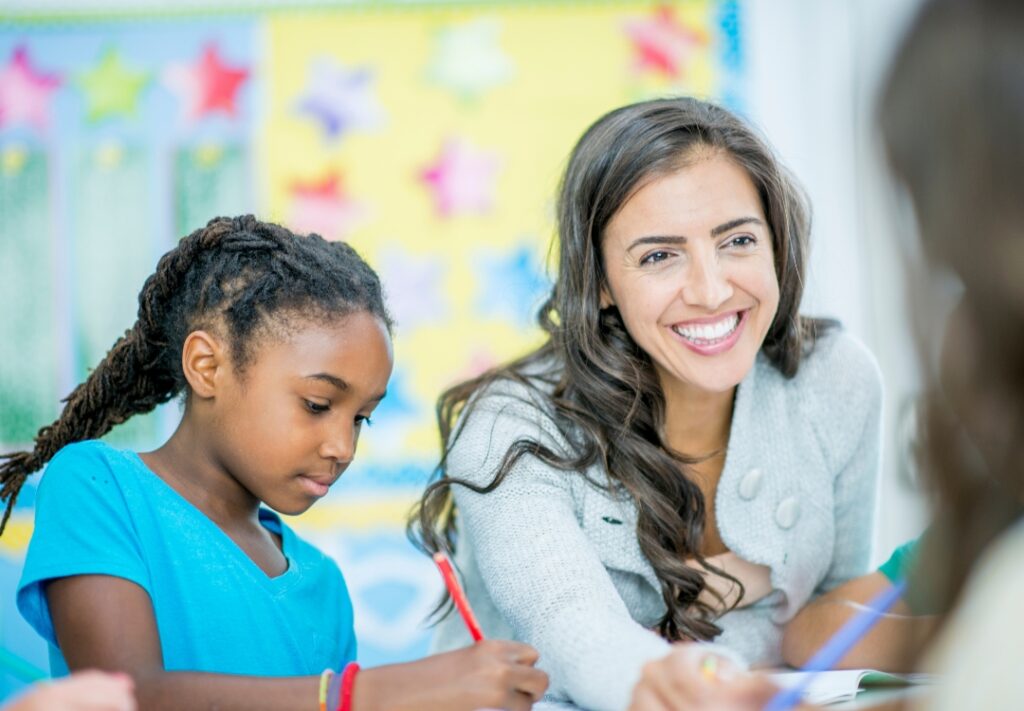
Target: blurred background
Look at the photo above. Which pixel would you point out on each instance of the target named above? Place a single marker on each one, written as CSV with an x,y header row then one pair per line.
x,y
430,135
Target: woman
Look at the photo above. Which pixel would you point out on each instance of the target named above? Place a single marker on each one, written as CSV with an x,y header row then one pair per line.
x,y
686,458
952,118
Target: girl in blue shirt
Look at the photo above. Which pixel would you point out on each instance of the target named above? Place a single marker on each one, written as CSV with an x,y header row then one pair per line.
x,y
164,564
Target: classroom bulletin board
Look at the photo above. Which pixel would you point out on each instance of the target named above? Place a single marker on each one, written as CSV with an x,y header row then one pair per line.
x,y
429,135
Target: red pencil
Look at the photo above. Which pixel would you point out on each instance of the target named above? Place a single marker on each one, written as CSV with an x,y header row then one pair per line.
x,y
455,590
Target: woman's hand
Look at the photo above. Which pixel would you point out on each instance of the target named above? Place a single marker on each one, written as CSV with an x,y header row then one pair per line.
x,y
490,674
84,691
692,677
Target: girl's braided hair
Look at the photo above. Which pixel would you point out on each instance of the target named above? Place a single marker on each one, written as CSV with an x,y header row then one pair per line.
x,y
232,275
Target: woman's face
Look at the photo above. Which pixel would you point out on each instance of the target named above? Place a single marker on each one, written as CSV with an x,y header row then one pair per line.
x,y
689,265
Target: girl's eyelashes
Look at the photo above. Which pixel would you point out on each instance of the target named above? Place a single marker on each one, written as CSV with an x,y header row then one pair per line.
x,y
363,420
316,408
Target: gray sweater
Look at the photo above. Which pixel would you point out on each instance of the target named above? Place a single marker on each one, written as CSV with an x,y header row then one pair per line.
x,y
553,561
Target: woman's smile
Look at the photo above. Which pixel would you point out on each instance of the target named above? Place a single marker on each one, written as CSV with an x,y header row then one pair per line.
x,y
711,336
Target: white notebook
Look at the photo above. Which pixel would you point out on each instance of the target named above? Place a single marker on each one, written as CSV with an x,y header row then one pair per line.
x,y
831,687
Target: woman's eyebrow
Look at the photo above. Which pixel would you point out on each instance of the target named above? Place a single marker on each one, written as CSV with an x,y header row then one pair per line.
x,y
655,239
733,224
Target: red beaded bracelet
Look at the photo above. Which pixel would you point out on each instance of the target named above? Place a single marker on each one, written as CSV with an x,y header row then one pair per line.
x,y
348,682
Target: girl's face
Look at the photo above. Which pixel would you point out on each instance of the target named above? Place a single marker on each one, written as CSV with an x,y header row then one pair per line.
x,y
689,265
290,424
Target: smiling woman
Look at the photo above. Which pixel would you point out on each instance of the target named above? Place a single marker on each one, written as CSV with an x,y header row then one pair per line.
x,y
681,395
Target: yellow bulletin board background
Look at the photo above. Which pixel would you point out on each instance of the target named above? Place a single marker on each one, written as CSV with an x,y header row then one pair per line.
x,y
429,135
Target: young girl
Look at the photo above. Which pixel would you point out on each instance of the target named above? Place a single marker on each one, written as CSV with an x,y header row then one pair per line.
x,y
164,564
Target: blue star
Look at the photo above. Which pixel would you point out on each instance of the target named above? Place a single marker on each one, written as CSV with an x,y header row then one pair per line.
x,y
512,284
340,99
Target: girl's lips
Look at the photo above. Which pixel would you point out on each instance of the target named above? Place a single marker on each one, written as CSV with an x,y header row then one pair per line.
x,y
314,487
718,346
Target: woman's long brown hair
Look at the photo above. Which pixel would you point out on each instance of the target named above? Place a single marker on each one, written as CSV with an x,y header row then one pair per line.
x,y
602,388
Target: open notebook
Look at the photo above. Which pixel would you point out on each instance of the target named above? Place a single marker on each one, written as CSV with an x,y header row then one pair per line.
x,y
831,687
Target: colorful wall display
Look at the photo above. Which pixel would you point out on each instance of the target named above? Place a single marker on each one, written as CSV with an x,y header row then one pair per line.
x,y
430,136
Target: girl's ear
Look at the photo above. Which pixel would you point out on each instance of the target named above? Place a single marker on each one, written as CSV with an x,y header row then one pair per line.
x,y
202,357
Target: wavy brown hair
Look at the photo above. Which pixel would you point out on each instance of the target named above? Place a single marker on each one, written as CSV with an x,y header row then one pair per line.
x,y
952,117
236,273
602,389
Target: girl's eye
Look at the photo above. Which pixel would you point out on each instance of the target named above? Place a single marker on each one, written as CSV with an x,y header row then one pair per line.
x,y
741,241
363,420
655,257
315,407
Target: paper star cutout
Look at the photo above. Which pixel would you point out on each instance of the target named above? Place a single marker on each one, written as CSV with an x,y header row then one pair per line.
x,y
111,88
512,284
207,86
413,285
662,44
324,207
479,363
462,179
468,60
400,402
340,99
25,93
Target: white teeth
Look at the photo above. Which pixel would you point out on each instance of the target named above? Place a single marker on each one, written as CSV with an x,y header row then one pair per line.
x,y
709,332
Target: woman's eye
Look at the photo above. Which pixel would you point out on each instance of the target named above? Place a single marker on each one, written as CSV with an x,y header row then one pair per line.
x,y
315,407
655,257
363,420
741,241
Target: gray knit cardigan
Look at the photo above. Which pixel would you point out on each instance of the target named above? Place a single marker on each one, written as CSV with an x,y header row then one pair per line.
x,y
553,561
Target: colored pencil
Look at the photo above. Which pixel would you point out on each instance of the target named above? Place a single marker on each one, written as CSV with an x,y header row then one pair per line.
x,y
458,596
836,648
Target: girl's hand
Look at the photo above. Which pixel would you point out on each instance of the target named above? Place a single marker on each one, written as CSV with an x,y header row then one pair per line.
x,y
693,678
490,674
83,691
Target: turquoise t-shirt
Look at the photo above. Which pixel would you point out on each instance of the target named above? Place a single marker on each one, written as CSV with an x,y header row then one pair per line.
x,y
900,562
101,511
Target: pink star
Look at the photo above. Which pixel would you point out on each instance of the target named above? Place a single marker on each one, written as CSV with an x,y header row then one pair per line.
x,y
24,93
462,179
661,43
324,207
207,86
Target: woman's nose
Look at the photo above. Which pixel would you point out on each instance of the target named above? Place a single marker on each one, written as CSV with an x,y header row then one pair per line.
x,y
706,285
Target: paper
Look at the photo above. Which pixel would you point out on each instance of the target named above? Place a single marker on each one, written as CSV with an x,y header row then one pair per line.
x,y
831,687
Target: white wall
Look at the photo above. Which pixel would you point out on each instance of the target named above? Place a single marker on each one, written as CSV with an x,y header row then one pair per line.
x,y
814,67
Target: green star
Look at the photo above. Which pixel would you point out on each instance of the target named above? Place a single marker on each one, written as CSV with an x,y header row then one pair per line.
x,y
111,88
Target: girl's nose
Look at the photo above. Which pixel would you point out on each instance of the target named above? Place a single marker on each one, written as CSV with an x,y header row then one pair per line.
x,y
340,446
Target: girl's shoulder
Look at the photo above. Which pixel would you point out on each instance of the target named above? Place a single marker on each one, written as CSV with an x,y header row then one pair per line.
x,y
88,456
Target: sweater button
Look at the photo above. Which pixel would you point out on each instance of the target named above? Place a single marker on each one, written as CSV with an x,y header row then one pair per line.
x,y
788,512
749,484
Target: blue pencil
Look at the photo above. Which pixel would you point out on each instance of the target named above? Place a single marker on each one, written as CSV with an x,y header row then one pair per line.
x,y
837,647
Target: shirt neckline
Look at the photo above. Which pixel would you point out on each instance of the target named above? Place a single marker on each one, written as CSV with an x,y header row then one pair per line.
x,y
270,520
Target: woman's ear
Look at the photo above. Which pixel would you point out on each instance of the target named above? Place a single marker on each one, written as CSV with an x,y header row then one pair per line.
x,y
606,298
203,356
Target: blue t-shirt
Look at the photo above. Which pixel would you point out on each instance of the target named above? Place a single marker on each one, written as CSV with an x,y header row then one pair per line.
x,y
101,511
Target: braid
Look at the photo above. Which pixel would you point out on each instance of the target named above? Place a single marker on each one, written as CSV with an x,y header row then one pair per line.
x,y
236,272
